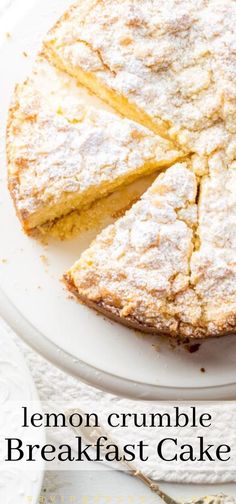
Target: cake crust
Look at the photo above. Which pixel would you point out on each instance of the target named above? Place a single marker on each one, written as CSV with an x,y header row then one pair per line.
x,y
225,327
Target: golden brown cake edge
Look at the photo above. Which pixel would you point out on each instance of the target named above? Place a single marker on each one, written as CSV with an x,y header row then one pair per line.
x,y
226,326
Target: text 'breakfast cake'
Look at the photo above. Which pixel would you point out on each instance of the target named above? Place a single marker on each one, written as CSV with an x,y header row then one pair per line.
x,y
124,88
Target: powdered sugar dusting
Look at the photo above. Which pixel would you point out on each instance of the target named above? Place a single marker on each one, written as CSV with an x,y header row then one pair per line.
x,y
213,265
186,82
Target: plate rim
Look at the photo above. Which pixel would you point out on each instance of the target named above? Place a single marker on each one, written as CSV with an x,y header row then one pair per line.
x,y
108,382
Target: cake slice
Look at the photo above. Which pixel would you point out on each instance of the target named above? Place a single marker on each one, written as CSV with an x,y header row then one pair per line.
x,y
168,266
65,149
137,271
160,63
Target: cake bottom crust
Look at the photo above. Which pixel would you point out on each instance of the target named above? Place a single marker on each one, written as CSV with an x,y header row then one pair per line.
x,y
224,328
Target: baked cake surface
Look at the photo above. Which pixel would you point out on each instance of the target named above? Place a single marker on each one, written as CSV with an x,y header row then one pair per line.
x,y
155,270
64,152
169,65
213,265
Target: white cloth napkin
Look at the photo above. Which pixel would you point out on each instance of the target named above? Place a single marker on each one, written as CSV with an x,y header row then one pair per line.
x,y
57,386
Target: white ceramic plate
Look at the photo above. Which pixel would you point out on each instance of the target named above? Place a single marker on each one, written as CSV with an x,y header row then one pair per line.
x,y
35,303
16,386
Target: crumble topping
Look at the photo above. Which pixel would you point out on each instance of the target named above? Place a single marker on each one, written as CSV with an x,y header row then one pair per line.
x,y
175,60
213,266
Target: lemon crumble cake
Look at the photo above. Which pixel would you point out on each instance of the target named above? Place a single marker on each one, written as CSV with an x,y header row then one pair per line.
x,y
124,88
169,65
64,152
156,270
